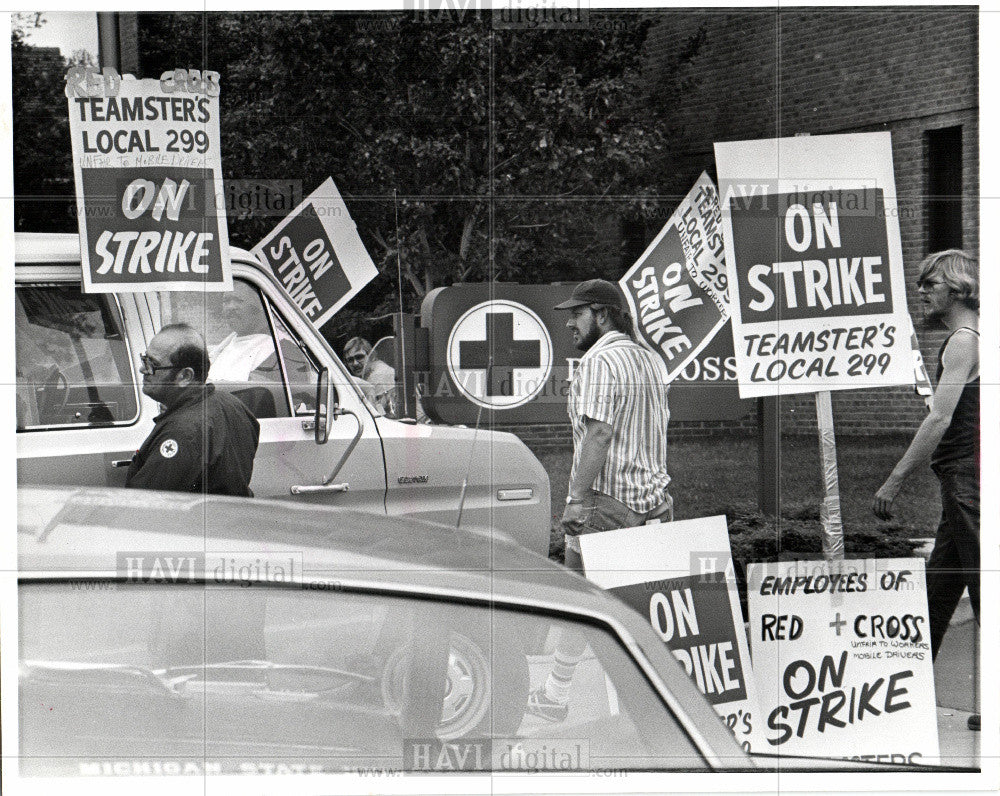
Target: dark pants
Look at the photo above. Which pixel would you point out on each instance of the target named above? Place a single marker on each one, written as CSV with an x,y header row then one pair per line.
x,y
954,562
604,513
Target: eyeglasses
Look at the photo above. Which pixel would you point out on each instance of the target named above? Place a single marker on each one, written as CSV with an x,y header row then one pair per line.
x,y
150,366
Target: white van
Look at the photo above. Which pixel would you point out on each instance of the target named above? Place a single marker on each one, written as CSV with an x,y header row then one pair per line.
x,y
81,414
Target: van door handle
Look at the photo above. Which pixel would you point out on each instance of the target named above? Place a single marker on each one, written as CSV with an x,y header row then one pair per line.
x,y
327,486
307,489
121,462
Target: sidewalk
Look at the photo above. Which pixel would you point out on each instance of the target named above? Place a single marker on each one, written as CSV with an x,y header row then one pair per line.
x,y
956,670
958,744
956,686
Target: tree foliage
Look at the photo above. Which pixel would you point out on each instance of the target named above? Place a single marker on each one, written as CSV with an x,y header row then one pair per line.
x,y
43,173
505,154
512,154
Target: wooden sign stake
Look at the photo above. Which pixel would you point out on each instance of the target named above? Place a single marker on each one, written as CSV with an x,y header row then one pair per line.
x,y
829,513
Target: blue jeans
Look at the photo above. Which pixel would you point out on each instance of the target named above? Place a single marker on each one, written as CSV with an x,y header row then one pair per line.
x,y
954,562
603,513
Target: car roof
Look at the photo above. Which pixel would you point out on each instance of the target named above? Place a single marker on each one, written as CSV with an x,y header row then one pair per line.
x,y
62,247
83,529
66,532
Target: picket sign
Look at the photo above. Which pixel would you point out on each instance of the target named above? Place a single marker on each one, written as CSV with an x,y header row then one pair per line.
x,y
681,576
815,272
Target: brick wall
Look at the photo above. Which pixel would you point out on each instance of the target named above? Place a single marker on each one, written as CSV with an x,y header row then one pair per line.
x,y
771,73
893,411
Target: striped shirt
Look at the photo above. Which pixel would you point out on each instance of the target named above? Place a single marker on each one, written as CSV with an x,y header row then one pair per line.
x,y
622,384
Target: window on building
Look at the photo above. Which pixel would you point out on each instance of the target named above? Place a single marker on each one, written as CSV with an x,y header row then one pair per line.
x,y
944,188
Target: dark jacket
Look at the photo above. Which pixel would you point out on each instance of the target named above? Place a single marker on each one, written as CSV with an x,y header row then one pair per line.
x,y
205,443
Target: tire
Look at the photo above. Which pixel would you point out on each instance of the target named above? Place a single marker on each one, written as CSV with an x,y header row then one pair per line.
x,y
481,699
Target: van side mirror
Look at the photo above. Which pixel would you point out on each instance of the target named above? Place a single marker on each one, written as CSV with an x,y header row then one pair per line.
x,y
325,408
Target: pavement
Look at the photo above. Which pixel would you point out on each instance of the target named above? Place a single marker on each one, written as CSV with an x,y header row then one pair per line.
x,y
956,686
956,683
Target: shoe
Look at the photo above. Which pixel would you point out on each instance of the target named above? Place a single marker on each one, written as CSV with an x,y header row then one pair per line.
x,y
543,707
975,722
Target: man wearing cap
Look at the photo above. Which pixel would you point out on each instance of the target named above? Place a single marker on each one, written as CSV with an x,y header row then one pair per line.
x,y
618,410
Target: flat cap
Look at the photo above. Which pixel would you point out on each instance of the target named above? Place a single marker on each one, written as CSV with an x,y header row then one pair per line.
x,y
594,291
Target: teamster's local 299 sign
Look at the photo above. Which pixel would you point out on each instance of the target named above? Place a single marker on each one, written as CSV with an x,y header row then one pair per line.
x,y
317,255
148,173
677,289
815,264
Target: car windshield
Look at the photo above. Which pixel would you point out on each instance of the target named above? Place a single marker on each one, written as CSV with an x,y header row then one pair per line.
x,y
329,679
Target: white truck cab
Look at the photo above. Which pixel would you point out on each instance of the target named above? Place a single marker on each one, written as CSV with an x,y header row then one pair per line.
x,y
81,414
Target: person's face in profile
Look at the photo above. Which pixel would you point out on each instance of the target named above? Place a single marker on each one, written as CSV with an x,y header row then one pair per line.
x,y
161,379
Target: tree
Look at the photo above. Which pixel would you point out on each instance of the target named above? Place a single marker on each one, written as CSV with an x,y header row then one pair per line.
x,y
43,173
513,153
505,154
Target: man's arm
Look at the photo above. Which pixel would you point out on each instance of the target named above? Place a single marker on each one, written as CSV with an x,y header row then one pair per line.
x,y
959,361
593,454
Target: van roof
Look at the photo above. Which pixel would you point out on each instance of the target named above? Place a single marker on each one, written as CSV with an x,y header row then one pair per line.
x,y
46,247
64,247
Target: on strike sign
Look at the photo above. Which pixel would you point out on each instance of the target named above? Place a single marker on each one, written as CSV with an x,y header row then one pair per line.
x,y
843,660
815,264
317,254
148,171
677,289
680,575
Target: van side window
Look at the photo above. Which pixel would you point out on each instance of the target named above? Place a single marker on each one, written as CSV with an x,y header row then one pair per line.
x,y
72,359
253,355
301,371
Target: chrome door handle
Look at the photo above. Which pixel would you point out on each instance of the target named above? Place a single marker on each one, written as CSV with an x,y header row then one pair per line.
x,y
121,462
306,489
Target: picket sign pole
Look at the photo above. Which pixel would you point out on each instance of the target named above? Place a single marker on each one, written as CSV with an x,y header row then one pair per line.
x,y
829,513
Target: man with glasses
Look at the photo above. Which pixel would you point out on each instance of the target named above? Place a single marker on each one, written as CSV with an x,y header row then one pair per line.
x,y
949,436
205,440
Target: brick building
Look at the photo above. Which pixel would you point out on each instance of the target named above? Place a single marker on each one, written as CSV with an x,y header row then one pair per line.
x,y
769,73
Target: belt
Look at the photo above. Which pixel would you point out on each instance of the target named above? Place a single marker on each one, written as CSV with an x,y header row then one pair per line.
x,y
659,511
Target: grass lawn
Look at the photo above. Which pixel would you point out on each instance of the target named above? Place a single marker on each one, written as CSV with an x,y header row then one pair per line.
x,y
720,476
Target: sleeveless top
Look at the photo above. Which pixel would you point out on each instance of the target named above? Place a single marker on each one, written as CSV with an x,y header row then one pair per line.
x,y
960,443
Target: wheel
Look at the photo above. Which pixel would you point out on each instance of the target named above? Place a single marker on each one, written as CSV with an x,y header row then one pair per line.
x,y
473,685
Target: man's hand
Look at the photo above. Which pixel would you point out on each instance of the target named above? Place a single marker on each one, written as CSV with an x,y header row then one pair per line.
x,y
882,504
573,516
